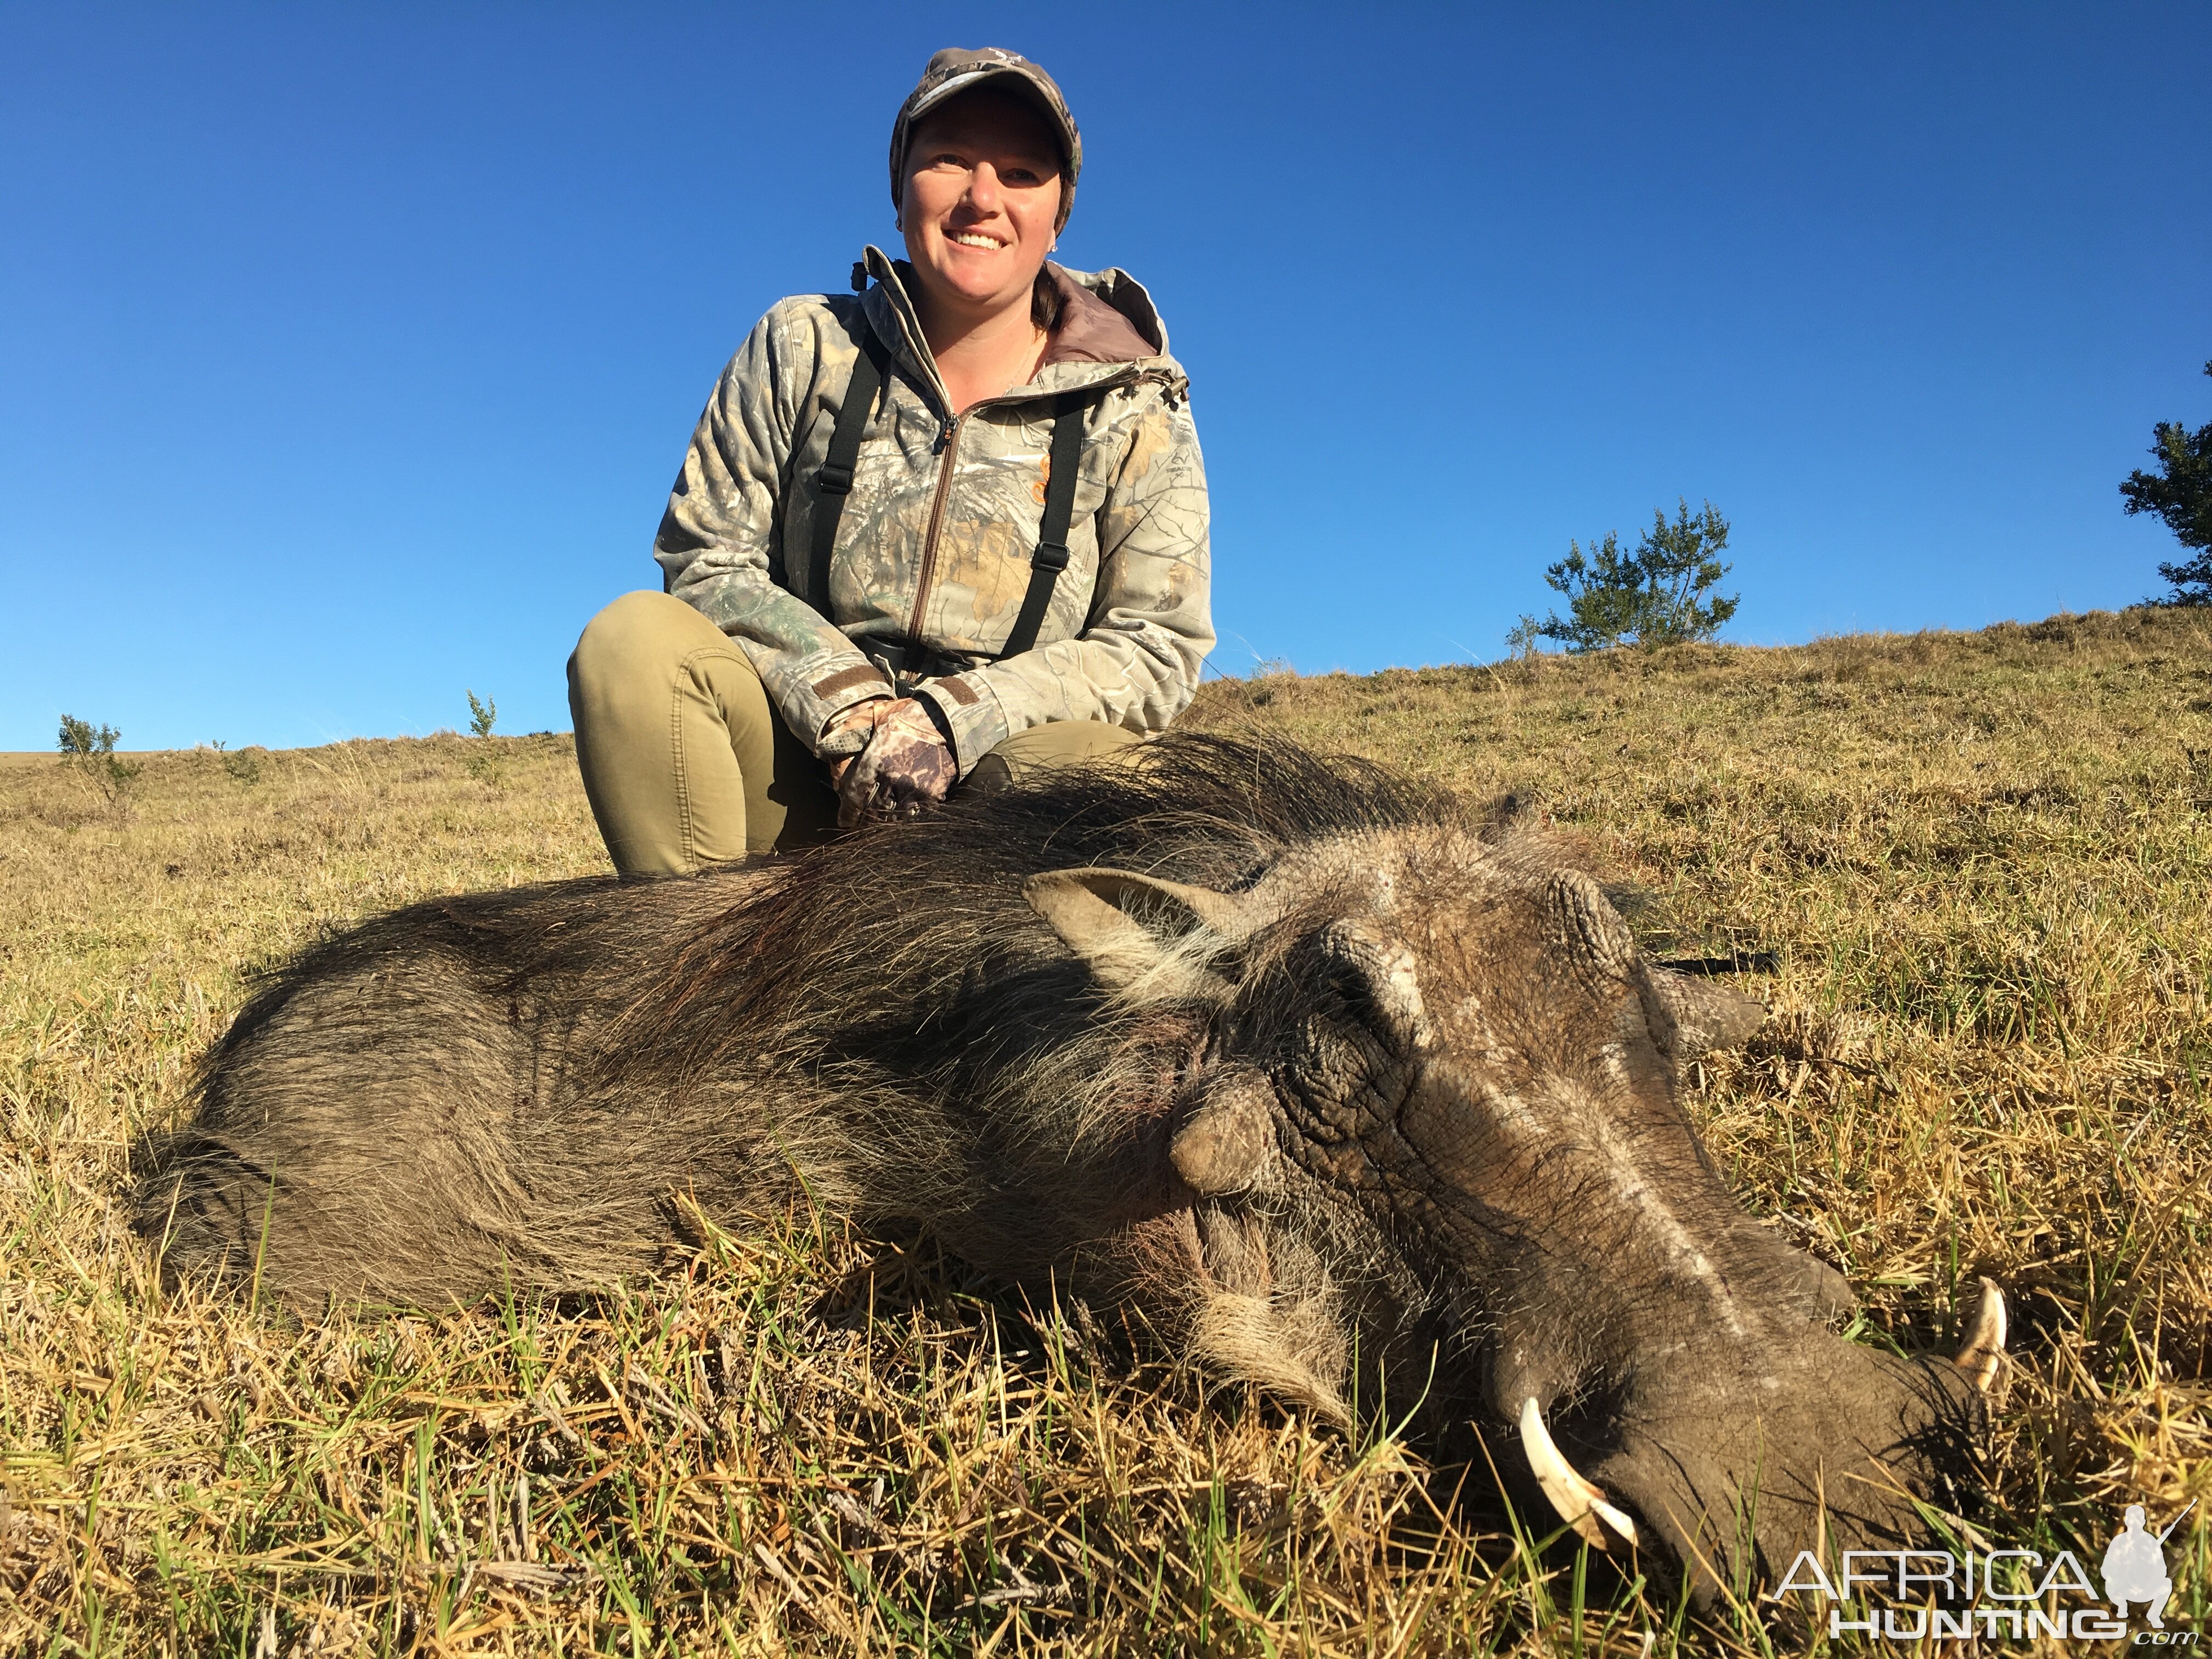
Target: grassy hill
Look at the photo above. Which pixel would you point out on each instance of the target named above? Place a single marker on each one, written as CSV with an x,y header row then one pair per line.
x,y
1984,862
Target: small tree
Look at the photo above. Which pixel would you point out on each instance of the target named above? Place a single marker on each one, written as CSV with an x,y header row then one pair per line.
x,y
486,765
82,741
1656,595
91,749
2180,493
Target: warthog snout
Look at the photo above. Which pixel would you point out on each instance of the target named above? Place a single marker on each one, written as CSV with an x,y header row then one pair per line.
x,y
1356,1092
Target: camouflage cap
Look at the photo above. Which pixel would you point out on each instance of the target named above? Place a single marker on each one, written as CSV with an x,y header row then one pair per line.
x,y
959,69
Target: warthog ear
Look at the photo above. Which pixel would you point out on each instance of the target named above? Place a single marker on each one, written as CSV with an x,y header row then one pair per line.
x,y
1692,1017
1126,926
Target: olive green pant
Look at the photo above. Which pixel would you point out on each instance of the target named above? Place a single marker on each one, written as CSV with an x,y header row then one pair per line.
x,y
687,762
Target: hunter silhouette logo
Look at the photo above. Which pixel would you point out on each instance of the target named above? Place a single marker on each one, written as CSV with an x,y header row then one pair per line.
x,y
2135,1566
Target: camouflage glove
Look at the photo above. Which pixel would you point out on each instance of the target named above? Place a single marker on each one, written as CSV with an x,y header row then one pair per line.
x,y
849,732
907,761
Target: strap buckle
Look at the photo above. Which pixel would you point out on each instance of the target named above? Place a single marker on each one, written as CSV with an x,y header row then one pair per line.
x,y
1049,556
893,658
834,480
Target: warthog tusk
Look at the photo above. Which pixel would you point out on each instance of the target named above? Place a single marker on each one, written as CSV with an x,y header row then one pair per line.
x,y
1580,1504
1982,1345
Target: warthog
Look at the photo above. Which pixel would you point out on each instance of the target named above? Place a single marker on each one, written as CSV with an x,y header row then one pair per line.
x,y
1321,1070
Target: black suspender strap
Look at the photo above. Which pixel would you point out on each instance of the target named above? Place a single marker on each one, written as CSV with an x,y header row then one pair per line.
x,y
834,482
1051,556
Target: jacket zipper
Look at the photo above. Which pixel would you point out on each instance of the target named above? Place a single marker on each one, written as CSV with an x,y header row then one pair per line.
x,y
944,468
945,458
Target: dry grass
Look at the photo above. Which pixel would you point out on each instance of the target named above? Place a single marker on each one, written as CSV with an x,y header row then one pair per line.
x,y
1986,860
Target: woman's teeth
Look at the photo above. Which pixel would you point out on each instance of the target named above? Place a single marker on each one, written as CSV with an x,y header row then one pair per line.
x,y
970,238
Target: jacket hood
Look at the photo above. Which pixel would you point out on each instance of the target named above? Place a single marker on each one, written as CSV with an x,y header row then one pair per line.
x,y
1093,329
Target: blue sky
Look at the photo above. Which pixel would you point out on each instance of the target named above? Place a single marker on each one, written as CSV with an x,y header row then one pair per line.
x,y
346,354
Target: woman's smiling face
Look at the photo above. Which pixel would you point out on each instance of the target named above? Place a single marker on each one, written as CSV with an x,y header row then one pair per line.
x,y
981,203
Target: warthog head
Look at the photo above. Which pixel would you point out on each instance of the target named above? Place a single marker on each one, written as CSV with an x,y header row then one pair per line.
x,y
1439,1070
1347,1089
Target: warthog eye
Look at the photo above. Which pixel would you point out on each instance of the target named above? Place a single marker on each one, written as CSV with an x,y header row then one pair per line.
x,y
1375,979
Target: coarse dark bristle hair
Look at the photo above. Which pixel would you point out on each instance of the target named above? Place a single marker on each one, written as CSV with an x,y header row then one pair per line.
x,y
906,916
1202,802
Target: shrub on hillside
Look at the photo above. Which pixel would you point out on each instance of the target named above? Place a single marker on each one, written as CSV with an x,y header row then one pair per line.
x,y
486,765
1656,595
243,765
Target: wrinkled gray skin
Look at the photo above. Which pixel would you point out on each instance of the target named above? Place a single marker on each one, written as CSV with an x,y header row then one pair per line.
x,y
1306,1062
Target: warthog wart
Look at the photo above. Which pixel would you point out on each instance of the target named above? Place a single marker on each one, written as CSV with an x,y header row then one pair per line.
x,y
1335,1079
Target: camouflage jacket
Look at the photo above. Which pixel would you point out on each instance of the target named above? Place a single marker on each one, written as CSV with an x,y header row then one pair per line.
x,y
933,547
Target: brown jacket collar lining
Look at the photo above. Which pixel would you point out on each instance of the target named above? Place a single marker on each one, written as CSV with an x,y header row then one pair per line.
x,y
1090,330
